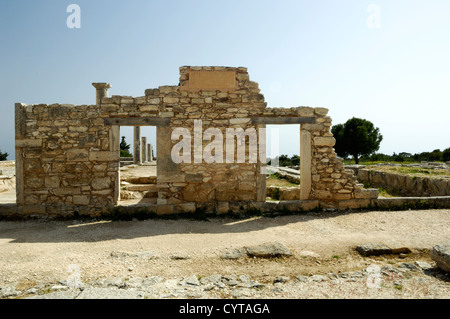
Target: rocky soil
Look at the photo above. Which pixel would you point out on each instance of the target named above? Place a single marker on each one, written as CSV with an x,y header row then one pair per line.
x,y
156,258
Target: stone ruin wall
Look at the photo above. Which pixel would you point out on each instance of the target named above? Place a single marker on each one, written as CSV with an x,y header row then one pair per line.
x,y
68,156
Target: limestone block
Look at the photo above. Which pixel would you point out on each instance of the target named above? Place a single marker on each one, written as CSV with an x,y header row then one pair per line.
x,y
166,89
164,209
324,141
194,178
185,207
323,194
223,207
151,92
52,181
29,143
341,196
240,121
321,111
101,183
289,193
305,111
171,99
67,191
148,108
81,200
104,156
369,193
312,127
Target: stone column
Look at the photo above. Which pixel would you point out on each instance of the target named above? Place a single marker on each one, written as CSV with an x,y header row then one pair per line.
x,y
149,155
20,134
261,166
137,156
150,151
144,149
102,91
305,164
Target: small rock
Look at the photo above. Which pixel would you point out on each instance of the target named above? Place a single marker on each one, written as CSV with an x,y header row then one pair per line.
x,y
332,275
209,287
306,253
153,280
32,291
192,280
373,249
194,294
401,250
135,282
318,278
9,291
281,279
409,266
255,284
213,279
422,264
179,257
356,274
268,250
241,292
233,282
111,282
235,254
139,254
59,287
441,255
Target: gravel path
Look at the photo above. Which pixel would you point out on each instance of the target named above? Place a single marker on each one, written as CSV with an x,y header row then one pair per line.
x,y
183,258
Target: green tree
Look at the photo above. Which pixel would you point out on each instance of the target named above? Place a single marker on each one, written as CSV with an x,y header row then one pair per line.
x,y
3,156
356,137
295,159
284,160
124,148
446,155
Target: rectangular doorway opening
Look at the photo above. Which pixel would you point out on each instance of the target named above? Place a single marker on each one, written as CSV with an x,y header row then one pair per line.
x,y
138,165
283,162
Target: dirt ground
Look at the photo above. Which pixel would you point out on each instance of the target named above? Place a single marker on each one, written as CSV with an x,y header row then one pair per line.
x,y
42,251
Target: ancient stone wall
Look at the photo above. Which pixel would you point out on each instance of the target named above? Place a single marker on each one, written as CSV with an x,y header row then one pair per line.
x,y
68,156
65,160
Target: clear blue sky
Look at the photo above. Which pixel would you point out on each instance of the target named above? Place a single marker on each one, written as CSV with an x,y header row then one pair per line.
x,y
302,53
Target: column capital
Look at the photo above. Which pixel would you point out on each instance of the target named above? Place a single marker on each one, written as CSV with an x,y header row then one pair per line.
x,y
101,85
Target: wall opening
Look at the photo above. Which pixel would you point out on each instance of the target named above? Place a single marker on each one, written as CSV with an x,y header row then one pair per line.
x,y
283,158
138,175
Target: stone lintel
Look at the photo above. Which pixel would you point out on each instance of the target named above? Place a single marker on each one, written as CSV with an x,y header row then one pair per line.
x,y
137,121
283,120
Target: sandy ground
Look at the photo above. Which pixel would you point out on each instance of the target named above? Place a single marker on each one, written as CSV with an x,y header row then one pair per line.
x,y
42,251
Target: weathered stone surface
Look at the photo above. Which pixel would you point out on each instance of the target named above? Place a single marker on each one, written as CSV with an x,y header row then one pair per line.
x,y
77,155
101,183
80,145
373,249
110,293
441,255
268,250
234,254
324,141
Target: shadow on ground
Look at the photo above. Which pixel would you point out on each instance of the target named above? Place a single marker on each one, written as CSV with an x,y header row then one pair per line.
x,y
92,230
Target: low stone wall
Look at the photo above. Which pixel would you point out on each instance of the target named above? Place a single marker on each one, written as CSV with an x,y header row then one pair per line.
x,y
405,185
143,211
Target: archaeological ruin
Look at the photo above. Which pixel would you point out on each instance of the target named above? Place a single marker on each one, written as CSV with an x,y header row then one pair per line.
x,y
210,150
